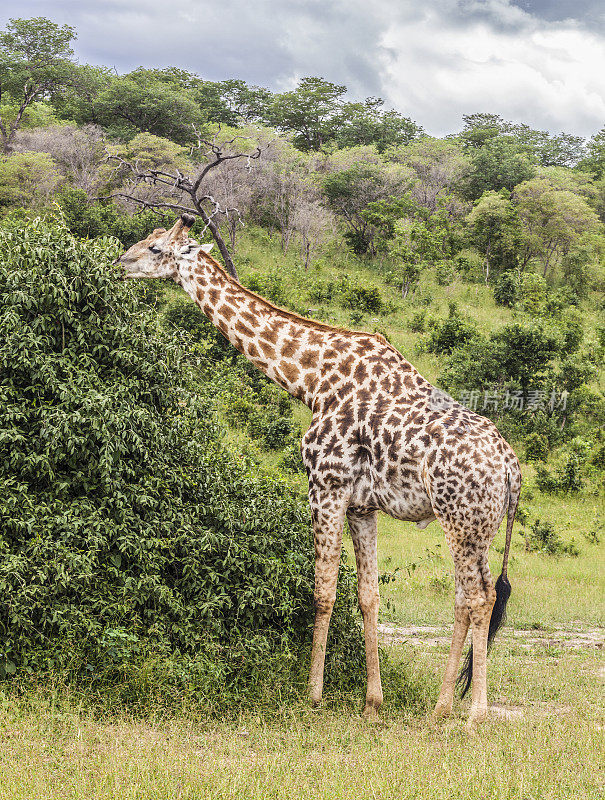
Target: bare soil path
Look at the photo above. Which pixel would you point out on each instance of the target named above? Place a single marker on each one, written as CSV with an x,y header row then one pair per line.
x,y
577,637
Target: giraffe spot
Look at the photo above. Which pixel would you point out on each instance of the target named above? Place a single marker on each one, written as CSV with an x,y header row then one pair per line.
x,y
214,295
315,337
360,373
252,349
290,372
308,359
248,317
310,382
227,312
269,336
289,348
346,365
244,329
268,350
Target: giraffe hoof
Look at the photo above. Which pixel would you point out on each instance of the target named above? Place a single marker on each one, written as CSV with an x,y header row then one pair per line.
x,y
475,719
441,711
370,713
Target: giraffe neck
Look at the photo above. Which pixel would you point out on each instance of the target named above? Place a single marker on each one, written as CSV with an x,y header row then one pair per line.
x,y
287,348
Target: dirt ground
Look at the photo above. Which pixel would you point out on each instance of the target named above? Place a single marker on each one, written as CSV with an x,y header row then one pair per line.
x,y
576,637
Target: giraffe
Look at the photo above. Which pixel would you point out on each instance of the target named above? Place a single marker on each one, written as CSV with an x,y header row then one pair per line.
x,y
382,438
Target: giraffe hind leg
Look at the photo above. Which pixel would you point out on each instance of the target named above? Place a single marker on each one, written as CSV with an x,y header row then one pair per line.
x,y
462,622
475,599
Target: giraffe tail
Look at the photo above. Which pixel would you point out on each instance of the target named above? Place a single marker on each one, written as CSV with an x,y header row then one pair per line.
x,y
503,591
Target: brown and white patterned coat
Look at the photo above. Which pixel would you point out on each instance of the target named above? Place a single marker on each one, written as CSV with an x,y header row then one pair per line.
x,y
382,438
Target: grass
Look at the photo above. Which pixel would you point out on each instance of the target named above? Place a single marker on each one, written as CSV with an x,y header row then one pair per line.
x,y
549,746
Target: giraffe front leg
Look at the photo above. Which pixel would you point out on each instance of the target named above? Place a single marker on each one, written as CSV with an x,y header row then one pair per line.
x,y
364,533
328,520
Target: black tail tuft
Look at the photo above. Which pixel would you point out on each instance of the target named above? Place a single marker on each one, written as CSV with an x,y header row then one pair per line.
x,y
498,617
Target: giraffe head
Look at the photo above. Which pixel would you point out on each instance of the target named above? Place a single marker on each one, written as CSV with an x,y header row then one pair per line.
x,y
159,255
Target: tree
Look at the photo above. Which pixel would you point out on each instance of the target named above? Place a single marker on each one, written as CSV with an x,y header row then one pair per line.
x,y
134,546
383,216
438,166
416,243
27,179
357,178
245,103
595,155
498,164
141,102
311,112
312,222
35,62
481,128
365,123
187,192
494,229
77,151
282,187
551,221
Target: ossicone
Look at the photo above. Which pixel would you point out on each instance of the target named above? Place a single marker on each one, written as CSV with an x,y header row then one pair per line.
x,y
188,220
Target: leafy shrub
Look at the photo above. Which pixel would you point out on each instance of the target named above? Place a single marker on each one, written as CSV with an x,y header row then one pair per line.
x,y
363,299
470,264
418,321
536,447
291,458
532,293
89,220
545,481
186,316
270,285
136,552
544,539
445,272
453,332
566,479
506,289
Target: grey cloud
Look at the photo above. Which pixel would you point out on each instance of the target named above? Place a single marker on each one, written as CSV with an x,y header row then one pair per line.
x,y
385,48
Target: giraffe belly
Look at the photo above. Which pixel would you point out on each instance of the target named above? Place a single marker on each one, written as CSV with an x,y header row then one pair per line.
x,y
407,501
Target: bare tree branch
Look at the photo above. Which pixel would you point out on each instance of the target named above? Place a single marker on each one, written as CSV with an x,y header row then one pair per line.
x,y
184,193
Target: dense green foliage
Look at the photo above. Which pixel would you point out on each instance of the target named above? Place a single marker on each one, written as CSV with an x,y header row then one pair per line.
x,y
133,544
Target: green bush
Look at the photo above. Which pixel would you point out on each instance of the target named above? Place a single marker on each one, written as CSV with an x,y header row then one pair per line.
x,y
270,285
544,539
360,298
506,289
453,332
136,552
445,273
536,447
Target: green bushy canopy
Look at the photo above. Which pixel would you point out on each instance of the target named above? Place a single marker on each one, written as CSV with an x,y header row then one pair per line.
x,y
132,543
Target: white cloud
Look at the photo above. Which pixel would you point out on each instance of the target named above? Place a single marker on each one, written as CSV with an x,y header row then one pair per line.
x,y
549,75
432,60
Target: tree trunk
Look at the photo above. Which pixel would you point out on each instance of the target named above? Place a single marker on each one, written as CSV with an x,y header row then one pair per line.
x,y
220,242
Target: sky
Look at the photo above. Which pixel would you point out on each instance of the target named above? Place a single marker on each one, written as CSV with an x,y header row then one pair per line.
x,y
541,62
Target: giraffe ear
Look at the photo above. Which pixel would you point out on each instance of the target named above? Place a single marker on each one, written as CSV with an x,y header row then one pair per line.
x,y
207,247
